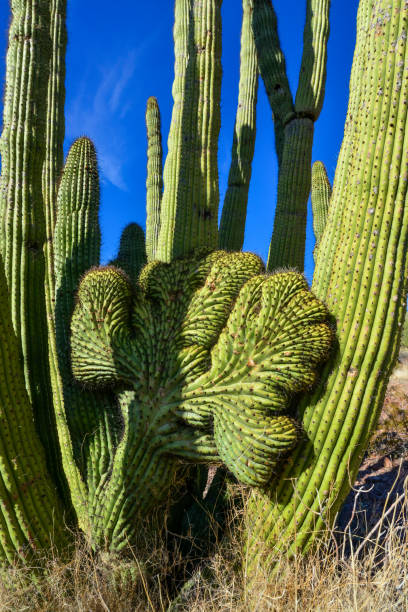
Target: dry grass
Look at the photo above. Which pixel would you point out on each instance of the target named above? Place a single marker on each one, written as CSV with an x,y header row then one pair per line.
x,y
362,568
367,573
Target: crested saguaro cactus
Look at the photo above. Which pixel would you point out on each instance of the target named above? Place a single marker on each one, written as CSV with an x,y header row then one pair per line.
x,y
198,335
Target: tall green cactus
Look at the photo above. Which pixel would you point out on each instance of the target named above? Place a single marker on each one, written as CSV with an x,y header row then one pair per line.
x,y
25,145
154,180
294,122
233,217
321,194
361,273
189,214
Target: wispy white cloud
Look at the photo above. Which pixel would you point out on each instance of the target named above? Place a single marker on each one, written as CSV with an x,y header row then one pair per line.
x,y
99,112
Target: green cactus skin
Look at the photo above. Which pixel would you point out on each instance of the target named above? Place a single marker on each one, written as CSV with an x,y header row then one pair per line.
x,y
232,226
86,427
312,75
294,122
287,247
211,352
30,514
132,251
321,194
23,148
154,180
361,273
272,67
189,213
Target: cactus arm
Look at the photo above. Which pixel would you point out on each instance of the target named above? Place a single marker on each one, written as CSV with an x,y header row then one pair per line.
x,y
132,251
30,513
349,148
232,226
293,123
312,77
189,213
154,180
365,290
271,60
321,194
287,247
84,432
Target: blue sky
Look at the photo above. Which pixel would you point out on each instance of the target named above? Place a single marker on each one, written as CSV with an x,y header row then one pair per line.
x,y
117,58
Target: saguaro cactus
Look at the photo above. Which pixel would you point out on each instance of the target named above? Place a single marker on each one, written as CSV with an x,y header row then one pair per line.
x,y
189,215
199,333
232,225
321,194
361,273
154,180
294,121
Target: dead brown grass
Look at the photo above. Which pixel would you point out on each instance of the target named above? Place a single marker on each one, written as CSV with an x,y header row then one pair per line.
x,y
367,573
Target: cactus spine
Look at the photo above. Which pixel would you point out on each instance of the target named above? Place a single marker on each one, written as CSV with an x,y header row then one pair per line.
x,y
233,217
154,181
294,122
321,194
361,273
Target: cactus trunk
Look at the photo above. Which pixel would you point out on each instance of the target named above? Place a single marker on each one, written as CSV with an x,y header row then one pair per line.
x,y
31,517
294,122
232,226
154,180
361,273
23,232
189,212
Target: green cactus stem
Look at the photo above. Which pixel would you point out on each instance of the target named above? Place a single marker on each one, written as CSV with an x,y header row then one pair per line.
x,y
30,514
189,212
232,226
287,247
23,148
294,122
154,180
132,251
361,273
272,67
321,194
211,352
86,427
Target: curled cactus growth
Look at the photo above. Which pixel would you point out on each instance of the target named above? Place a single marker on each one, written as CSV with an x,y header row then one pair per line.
x,y
212,351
